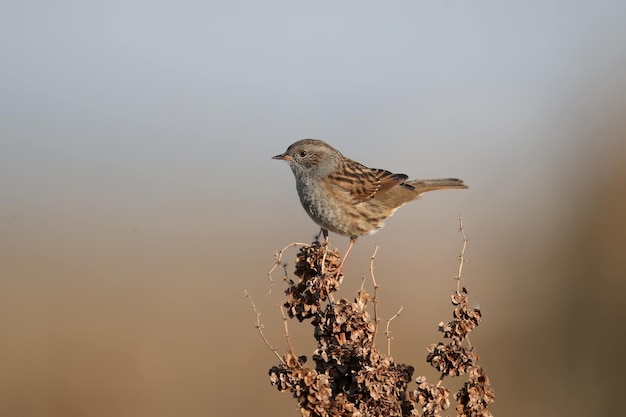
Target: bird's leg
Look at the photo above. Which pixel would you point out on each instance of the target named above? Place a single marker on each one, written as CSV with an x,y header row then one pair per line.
x,y
319,234
352,240
325,233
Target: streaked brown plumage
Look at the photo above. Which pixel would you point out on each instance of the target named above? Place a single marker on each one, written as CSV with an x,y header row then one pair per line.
x,y
346,197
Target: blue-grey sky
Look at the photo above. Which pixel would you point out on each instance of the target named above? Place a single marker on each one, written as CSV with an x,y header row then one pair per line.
x,y
124,96
128,112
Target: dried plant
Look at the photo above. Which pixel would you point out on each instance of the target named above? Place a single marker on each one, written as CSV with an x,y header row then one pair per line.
x,y
351,377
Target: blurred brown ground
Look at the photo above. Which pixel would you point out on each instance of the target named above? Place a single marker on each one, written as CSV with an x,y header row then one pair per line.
x,y
106,316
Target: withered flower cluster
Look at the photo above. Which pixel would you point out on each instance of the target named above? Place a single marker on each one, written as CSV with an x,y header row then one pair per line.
x,y
351,376
305,297
454,358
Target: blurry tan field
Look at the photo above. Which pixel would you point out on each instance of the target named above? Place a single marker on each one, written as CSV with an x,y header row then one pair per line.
x,y
103,316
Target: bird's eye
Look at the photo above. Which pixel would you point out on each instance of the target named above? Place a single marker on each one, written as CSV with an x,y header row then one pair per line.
x,y
302,154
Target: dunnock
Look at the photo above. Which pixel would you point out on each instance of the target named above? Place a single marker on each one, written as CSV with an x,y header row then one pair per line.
x,y
348,198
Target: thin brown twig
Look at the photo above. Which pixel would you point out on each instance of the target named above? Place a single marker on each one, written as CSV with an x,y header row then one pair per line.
x,y
362,283
287,336
462,259
458,277
388,332
375,298
278,261
259,327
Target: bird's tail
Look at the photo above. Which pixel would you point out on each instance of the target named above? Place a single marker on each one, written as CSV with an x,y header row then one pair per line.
x,y
421,186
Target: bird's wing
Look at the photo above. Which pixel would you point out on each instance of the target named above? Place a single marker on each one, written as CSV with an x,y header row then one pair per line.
x,y
365,183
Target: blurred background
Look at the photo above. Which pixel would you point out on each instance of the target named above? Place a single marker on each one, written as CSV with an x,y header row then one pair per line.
x,y
138,200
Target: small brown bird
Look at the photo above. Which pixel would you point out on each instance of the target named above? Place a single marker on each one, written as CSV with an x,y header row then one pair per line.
x,y
348,198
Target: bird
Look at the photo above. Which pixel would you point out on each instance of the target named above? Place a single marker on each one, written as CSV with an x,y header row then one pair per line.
x,y
346,197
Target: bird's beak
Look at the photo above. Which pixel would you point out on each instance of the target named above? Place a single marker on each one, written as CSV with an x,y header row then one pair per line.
x,y
282,156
